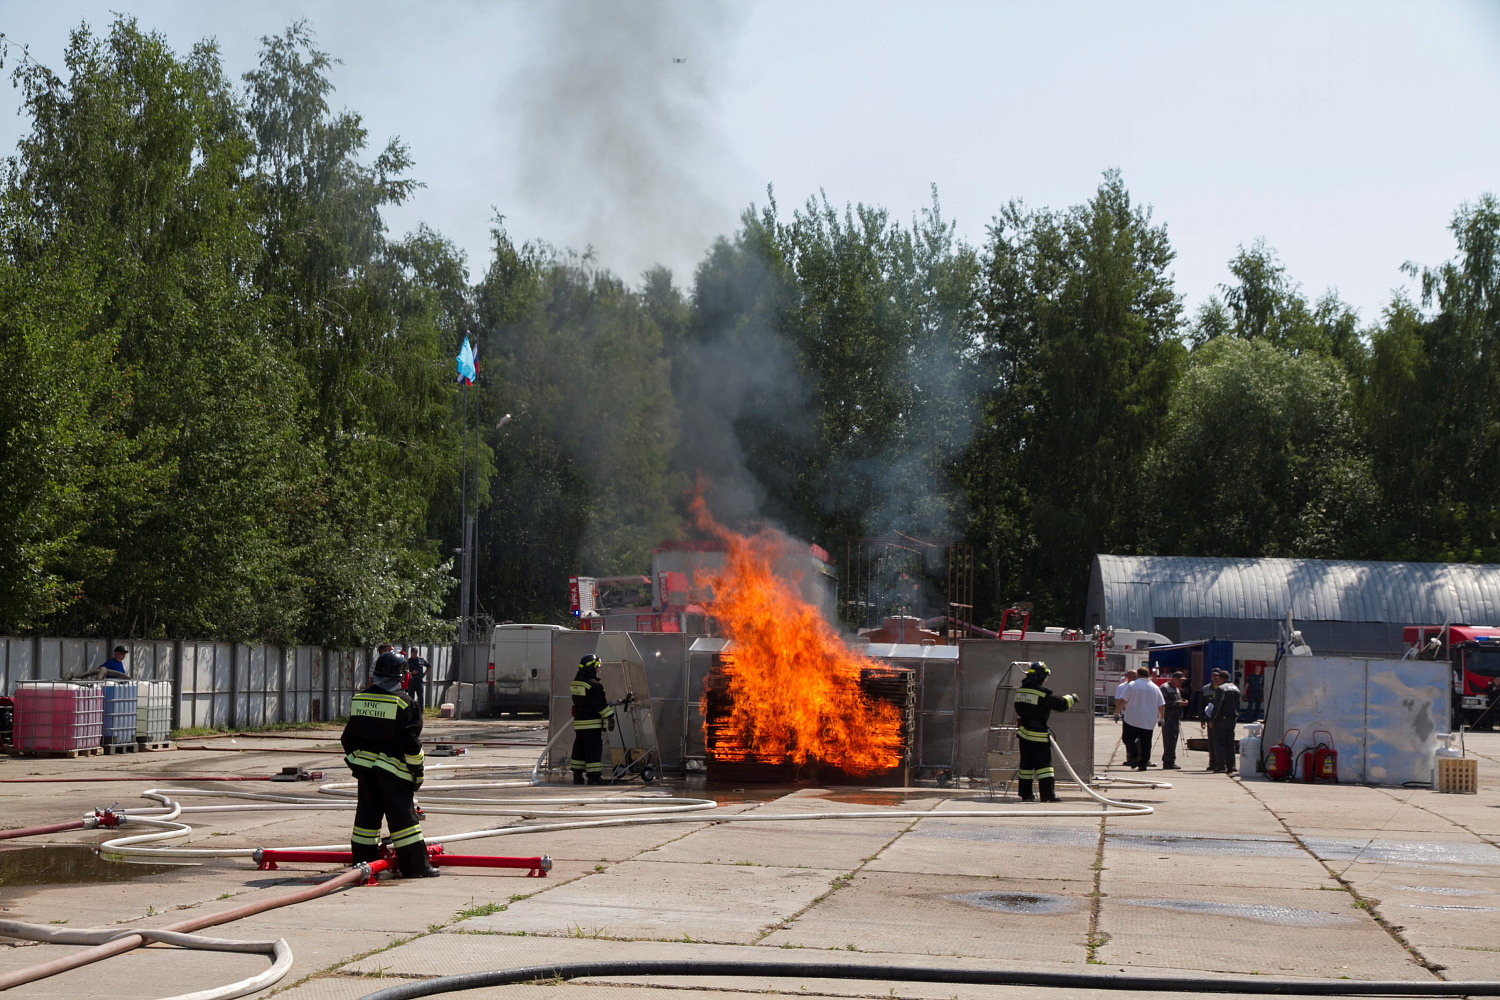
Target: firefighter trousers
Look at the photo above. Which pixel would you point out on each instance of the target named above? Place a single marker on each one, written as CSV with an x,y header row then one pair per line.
x,y
1036,763
383,795
588,753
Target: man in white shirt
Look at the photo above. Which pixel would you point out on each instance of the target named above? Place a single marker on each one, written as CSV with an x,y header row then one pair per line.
x,y
1144,707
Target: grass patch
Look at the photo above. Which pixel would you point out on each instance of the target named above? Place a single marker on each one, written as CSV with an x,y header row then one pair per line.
x,y
482,910
274,727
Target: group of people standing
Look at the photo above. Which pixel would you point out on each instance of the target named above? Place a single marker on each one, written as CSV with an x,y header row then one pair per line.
x,y
1141,705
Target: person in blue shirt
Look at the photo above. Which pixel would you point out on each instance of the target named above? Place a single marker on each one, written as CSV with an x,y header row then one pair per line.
x,y
114,668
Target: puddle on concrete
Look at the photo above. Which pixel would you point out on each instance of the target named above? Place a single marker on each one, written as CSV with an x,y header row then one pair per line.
x,y
1264,913
68,864
1452,906
1023,903
1224,846
1403,852
1442,890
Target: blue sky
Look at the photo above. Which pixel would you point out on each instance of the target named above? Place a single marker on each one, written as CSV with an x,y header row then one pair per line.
x,y
1344,134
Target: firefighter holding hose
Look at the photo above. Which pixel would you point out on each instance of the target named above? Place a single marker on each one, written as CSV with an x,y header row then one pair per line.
x,y
1035,703
591,711
383,747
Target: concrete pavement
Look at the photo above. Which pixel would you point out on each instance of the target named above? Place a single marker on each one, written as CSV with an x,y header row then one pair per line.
x,y
1227,877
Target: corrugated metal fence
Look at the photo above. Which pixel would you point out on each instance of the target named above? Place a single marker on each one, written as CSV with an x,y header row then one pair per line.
x,y
221,684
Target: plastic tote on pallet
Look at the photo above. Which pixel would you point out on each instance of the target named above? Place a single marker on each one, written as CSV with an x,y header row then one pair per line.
x,y
119,713
52,715
153,711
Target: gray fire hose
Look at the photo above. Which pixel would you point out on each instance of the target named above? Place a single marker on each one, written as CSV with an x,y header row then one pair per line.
x,y
935,974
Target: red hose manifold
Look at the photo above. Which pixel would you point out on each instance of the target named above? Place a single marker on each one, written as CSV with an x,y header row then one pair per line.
x,y
267,859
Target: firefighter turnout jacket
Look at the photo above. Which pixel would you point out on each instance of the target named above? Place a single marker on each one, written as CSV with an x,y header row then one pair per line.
x,y
590,706
1034,705
384,732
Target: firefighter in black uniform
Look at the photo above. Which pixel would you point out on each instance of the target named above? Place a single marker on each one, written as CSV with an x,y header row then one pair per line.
x,y
591,711
383,746
1034,704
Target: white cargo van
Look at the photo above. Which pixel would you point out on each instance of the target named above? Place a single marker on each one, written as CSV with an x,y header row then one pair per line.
x,y
519,677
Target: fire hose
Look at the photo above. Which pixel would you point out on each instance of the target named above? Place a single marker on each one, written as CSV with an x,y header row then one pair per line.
x,y
934,974
279,950
611,812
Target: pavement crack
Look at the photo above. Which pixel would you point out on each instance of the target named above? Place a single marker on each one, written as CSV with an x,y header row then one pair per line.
x,y
1095,939
1362,902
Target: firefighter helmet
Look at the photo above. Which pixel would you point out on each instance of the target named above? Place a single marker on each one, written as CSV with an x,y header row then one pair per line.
x,y
1039,670
589,662
390,671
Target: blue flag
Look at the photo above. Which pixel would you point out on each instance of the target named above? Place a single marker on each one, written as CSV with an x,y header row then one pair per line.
x,y
466,370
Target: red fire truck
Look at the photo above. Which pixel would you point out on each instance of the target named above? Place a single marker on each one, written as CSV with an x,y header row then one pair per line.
x,y
1474,652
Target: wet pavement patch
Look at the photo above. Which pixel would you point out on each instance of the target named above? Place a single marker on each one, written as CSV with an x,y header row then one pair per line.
x,y
1452,906
1026,903
68,864
1442,890
1248,846
1264,913
1411,854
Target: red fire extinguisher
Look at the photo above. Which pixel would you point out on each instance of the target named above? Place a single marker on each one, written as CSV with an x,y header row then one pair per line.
x,y
1325,759
1279,757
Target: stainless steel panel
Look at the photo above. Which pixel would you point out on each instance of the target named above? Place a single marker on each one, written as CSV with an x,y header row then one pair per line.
x,y
1406,709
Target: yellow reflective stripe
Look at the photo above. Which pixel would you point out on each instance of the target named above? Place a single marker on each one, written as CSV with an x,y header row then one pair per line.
x,y
1070,699
608,711
581,724
1027,734
369,758
580,689
360,837
416,759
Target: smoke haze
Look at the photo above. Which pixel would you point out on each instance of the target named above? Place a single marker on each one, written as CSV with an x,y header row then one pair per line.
x,y
618,140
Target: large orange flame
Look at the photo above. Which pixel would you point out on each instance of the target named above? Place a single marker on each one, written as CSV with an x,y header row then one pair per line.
x,y
793,685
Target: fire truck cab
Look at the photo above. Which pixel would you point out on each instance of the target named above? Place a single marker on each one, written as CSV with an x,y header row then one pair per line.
x,y
1473,651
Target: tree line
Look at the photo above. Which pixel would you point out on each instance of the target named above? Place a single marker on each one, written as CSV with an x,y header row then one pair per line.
x,y
231,408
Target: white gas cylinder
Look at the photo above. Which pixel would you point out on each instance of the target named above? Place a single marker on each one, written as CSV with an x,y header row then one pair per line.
x,y
1250,756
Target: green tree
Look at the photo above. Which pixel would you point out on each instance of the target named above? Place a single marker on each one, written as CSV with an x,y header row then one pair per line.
x,y
132,175
1258,456
582,483
371,325
1080,339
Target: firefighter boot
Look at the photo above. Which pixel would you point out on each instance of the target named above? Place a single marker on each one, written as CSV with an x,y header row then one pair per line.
x,y
596,778
364,853
1049,794
577,777
412,861
1023,789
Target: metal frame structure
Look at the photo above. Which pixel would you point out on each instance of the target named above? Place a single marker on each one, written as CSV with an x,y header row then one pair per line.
x,y
886,576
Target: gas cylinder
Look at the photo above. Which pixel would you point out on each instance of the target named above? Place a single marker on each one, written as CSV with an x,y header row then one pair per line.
x,y
1279,757
1250,752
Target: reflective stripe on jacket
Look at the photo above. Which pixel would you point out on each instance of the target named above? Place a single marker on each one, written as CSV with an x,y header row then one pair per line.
x,y
384,731
1033,708
590,705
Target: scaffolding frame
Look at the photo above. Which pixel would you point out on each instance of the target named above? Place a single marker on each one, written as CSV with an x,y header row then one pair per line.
x,y
884,577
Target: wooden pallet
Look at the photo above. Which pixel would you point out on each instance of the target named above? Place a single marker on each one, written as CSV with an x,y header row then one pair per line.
x,y
155,745
81,752
118,748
